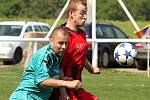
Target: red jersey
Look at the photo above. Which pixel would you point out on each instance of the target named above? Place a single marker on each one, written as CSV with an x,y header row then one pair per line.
x,y
74,57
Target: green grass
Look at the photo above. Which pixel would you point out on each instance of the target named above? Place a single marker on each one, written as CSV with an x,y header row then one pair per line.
x,y
114,85
9,78
109,85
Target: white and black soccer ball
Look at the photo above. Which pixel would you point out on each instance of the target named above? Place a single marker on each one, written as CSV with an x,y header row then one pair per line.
x,y
125,54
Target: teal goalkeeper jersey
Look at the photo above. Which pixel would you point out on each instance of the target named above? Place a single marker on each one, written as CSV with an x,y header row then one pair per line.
x,y
44,64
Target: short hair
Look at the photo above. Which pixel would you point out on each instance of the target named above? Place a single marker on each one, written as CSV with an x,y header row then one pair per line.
x,y
73,5
58,29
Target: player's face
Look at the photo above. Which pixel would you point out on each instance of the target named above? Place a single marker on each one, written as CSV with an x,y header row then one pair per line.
x,y
80,15
59,43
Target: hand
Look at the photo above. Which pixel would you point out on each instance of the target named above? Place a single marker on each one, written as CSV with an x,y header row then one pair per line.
x,y
73,84
63,94
96,70
64,97
93,70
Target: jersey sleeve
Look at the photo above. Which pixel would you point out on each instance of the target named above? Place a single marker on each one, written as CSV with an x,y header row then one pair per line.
x,y
41,71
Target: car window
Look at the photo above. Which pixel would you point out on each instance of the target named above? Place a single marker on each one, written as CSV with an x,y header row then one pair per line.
x,y
119,33
98,31
38,29
45,28
88,30
29,29
10,30
107,31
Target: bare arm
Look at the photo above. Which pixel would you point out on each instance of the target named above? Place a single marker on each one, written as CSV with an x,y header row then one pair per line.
x,y
60,83
90,68
63,92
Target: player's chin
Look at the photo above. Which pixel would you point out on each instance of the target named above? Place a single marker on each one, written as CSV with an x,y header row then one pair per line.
x,y
83,22
60,53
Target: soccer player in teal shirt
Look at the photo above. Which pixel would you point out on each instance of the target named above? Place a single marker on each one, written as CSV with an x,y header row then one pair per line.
x,y
43,73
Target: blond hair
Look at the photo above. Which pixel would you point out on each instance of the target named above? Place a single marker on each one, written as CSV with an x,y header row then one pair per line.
x,y
73,5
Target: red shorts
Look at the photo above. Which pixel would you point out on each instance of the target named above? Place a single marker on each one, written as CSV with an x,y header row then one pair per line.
x,y
79,94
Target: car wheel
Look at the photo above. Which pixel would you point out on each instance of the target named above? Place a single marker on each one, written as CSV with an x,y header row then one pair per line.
x,y
141,65
18,55
7,62
104,59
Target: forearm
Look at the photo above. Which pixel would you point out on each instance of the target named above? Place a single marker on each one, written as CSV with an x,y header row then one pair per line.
x,y
53,83
60,83
88,66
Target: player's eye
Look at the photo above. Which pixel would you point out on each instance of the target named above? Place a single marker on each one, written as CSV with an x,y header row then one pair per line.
x,y
83,13
66,43
61,43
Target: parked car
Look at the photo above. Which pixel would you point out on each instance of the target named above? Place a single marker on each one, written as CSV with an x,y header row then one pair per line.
x,y
12,52
105,50
142,48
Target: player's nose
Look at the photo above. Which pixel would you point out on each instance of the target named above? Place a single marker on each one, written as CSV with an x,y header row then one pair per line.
x,y
64,46
85,16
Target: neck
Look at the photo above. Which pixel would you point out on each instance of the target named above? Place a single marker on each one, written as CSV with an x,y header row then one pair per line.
x,y
71,25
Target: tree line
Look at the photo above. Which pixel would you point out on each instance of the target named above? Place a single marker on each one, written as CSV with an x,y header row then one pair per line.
x,y
105,9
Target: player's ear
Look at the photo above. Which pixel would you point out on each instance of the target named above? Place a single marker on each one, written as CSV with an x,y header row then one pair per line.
x,y
71,14
50,41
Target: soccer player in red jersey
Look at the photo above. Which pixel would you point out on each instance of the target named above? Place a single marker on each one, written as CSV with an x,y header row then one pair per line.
x,y
74,59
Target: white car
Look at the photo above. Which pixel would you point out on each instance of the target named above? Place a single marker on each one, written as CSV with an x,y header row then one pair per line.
x,y
12,52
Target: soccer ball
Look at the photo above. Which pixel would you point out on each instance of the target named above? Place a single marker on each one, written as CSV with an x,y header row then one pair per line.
x,y
125,54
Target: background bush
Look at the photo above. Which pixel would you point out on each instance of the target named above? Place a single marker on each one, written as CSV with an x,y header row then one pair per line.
x,y
106,9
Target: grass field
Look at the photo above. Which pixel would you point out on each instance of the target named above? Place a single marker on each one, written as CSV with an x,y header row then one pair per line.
x,y
110,85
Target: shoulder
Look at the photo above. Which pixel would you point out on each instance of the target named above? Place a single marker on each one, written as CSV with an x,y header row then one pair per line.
x,y
42,51
81,31
83,34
